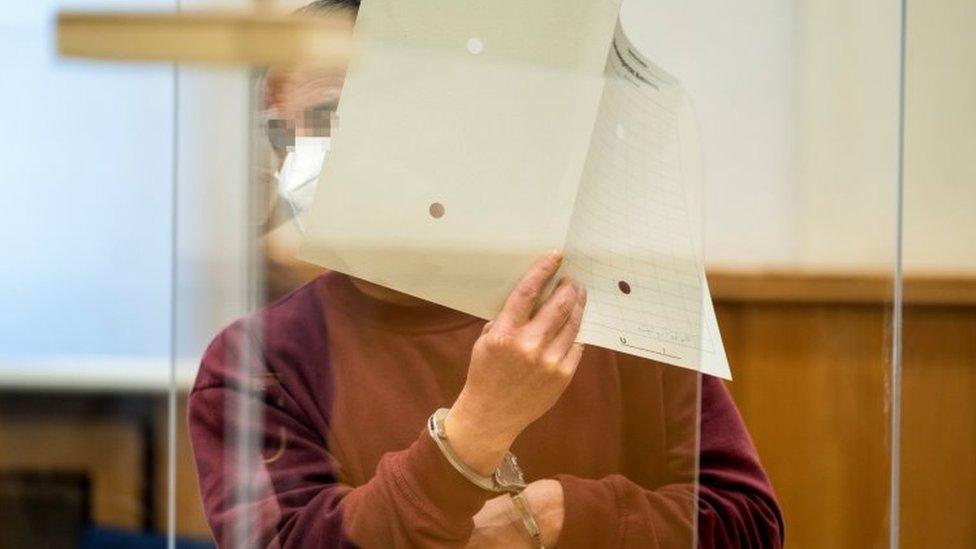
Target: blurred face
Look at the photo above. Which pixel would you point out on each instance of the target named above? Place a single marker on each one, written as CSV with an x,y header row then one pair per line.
x,y
300,107
301,102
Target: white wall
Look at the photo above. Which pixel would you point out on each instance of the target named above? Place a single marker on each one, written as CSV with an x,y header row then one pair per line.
x,y
940,164
213,141
798,107
85,174
735,60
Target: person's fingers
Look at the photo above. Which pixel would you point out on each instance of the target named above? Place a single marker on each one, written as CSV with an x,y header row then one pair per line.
x,y
553,313
520,303
562,342
571,360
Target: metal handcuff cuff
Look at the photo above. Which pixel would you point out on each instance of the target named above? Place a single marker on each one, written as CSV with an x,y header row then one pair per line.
x,y
507,478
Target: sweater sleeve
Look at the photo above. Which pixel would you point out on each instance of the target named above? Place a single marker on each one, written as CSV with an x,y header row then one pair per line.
x,y
293,497
736,506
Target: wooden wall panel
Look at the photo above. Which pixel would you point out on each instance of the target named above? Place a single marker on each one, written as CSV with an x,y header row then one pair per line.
x,y
811,383
108,451
938,438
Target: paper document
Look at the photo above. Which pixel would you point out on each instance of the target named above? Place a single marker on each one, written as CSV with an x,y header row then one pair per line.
x,y
471,141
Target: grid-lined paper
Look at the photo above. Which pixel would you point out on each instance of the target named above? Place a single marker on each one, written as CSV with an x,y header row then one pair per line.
x,y
630,239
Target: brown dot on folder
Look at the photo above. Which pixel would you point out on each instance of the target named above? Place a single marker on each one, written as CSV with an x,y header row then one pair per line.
x,y
624,287
436,210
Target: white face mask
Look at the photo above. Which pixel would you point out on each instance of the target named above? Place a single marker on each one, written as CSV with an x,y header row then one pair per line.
x,y
299,175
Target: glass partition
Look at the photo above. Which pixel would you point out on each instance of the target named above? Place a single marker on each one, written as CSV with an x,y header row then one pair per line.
x,y
799,109
85,289
266,273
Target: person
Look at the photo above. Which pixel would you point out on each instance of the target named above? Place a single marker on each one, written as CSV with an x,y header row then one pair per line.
x,y
340,380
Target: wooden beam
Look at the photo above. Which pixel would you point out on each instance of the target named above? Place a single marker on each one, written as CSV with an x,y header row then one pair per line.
x,y
813,287
254,38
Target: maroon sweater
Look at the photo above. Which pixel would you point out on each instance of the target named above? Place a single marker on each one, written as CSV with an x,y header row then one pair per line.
x,y
341,393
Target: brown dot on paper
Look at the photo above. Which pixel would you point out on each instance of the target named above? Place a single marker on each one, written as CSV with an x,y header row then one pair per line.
x,y
436,210
624,286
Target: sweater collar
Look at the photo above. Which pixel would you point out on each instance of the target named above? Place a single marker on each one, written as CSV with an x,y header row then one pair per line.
x,y
338,290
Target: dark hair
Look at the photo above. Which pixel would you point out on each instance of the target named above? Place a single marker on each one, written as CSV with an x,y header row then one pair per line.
x,y
321,6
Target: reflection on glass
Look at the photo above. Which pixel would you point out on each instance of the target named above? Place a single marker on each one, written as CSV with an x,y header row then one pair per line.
x,y
308,421
348,411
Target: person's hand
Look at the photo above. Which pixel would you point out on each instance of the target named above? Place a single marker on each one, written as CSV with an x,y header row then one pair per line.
x,y
498,524
520,366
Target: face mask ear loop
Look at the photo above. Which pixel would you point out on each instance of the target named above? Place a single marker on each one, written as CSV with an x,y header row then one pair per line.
x,y
283,194
298,221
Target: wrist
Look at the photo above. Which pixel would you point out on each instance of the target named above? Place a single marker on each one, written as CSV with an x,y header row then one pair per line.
x,y
474,441
546,500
